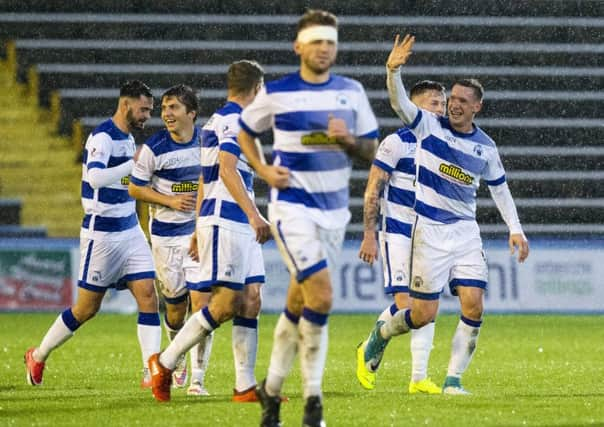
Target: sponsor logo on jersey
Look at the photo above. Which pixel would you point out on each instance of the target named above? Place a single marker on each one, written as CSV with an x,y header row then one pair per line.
x,y
456,173
125,180
317,138
184,187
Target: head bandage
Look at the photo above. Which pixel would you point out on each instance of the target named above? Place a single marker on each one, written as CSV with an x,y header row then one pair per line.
x,y
318,32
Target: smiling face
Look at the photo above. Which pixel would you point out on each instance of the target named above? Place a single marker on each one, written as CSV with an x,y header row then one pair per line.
x,y
175,116
138,111
463,106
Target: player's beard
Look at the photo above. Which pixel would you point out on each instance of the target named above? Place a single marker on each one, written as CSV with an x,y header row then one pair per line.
x,y
132,122
319,69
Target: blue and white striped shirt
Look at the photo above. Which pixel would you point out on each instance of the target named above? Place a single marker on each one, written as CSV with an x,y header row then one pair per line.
x,y
450,165
109,211
396,155
171,168
218,206
319,168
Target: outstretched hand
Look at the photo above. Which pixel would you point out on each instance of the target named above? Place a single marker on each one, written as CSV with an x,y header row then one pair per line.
x,y
401,51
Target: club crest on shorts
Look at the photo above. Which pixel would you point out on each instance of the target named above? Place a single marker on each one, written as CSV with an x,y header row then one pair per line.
x,y
417,282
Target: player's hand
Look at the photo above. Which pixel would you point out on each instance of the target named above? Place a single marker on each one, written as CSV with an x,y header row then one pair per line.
x,y
183,202
369,250
518,241
275,176
337,129
261,227
400,51
193,249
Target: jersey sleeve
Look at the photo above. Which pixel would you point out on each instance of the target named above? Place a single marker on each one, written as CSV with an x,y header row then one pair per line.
x,y
494,173
423,124
144,168
226,132
366,124
99,150
257,117
388,154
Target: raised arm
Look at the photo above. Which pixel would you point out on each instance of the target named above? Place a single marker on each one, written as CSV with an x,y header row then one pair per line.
x,y
400,102
371,205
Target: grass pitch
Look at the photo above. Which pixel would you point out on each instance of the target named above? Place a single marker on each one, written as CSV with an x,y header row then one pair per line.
x,y
527,371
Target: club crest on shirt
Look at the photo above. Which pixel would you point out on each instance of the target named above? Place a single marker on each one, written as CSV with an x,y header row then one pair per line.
x,y
341,100
478,150
96,153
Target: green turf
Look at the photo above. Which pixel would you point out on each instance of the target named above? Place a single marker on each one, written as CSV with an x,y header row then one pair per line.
x,y
528,370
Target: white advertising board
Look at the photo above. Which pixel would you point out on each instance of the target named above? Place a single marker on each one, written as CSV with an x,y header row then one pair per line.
x,y
559,276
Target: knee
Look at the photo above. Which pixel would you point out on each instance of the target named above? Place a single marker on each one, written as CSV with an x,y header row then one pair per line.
x,y
251,304
146,298
421,316
175,315
473,312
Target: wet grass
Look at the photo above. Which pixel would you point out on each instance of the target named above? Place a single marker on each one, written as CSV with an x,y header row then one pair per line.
x,y
528,370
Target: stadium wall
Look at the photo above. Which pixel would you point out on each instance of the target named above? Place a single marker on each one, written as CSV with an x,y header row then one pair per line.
x,y
560,276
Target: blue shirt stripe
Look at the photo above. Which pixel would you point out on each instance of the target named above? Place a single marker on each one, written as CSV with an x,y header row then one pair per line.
x,y
497,181
310,120
169,229
208,139
228,210
98,165
210,173
116,161
437,214
398,227
385,167
229,147
406,165
188,173
293,82
161,142
444,151
110,196
324,201
401,197
443,187
233,212
316,161
207,207
111,224
111,129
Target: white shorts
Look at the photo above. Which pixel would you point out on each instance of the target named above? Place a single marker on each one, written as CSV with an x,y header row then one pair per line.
x,y
305,247
229,258
446,254
176,270
113,263
396,263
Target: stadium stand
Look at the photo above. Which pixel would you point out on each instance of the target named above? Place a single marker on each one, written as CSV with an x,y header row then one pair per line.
x,y
540,63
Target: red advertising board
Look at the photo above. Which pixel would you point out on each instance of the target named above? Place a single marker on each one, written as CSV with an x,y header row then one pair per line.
x,y
35,279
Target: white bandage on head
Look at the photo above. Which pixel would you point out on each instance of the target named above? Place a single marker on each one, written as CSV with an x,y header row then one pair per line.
x,y
318,32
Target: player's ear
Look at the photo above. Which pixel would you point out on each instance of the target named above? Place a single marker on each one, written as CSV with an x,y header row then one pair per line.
x,y
297,47
477,107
